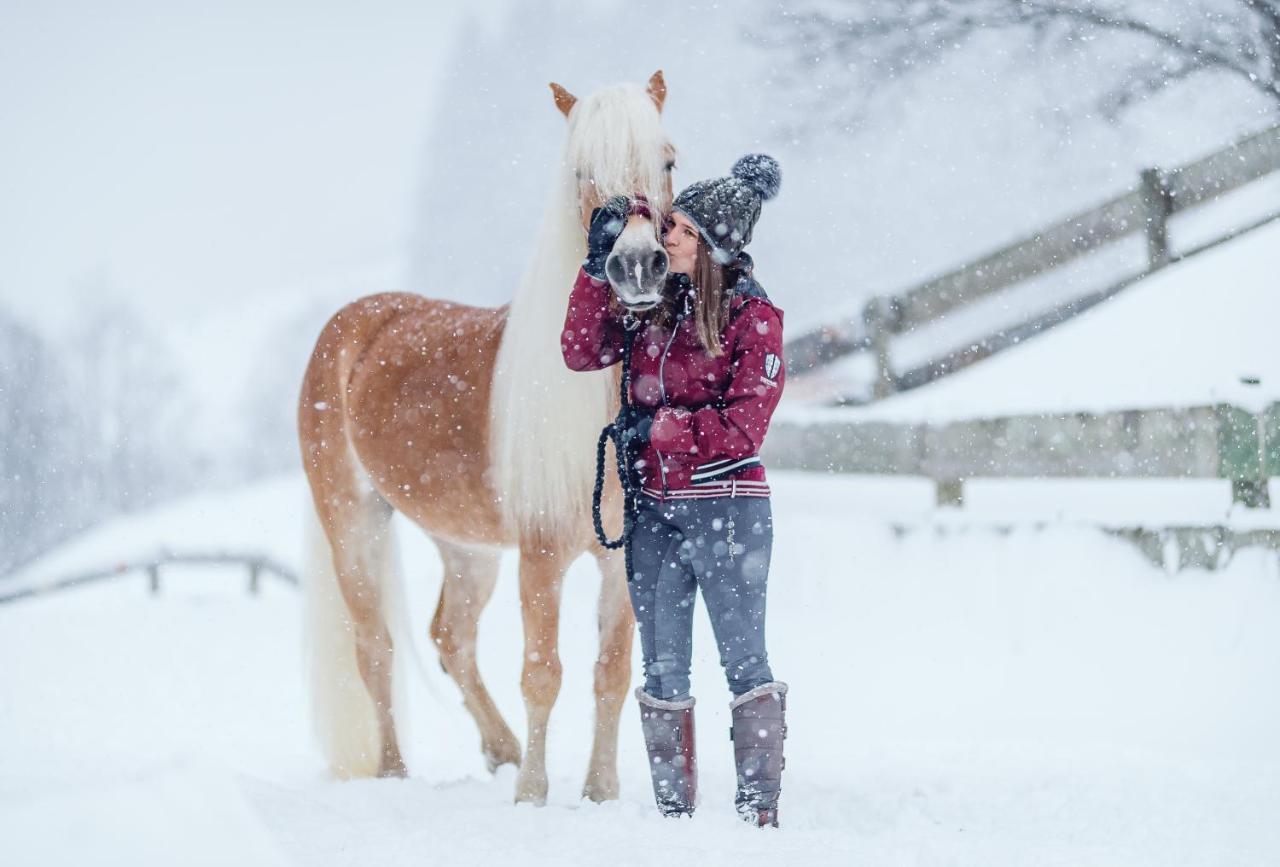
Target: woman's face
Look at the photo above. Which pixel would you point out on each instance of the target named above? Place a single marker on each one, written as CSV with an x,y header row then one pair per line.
x,y
682,245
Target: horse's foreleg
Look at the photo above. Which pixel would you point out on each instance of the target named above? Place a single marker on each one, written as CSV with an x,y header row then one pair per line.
x,y
612,675
469,578
541,574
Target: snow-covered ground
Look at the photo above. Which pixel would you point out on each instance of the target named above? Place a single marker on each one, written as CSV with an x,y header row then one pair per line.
x,y
1042,697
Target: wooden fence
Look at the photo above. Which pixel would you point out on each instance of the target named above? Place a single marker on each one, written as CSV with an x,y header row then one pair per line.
x,y
256,566
1221,441
1146,209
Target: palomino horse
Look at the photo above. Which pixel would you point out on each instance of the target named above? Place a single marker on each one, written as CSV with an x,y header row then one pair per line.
x,y
466,420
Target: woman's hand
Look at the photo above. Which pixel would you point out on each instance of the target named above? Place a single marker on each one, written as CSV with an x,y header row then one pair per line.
x,y
672,430
607,223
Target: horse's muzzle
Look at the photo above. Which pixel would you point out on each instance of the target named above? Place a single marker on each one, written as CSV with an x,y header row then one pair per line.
x,y
637,276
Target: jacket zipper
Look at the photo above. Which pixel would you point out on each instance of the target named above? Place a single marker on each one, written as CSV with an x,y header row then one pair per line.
x,y
662,388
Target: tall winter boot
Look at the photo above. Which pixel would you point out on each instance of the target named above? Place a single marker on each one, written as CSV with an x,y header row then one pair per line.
x,y
668,734
759,727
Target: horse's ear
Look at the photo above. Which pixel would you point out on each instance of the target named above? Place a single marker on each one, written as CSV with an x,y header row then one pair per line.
x,y
565,100
658,89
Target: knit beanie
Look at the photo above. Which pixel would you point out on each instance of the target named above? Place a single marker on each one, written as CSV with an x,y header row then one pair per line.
x,y
725,210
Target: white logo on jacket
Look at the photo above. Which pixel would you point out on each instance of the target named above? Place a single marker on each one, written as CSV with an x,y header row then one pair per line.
x,y
772,364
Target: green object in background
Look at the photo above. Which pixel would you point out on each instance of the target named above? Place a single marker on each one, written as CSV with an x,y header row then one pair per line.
x,y
1242,457
1238,455
1271,427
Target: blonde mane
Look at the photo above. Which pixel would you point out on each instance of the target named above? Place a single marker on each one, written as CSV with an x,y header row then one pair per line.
x,y
544,418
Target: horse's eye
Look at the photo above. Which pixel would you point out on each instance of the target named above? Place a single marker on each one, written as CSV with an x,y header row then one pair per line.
x,y
670,166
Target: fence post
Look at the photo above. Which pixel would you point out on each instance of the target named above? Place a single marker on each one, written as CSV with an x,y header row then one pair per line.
x,y
876,317
1262,497
1158,205
1242,456
255,572
153,578
949,493
1271,429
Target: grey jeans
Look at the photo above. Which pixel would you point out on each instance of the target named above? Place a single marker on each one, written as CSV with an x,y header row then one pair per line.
x,y
723,545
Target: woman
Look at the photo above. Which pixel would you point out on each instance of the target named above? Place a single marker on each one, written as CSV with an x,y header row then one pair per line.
x,y
706,374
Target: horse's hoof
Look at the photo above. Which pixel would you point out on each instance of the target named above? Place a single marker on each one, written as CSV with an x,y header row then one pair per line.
x,y
393,768
503,755
532,798
531,791
599,791
501,751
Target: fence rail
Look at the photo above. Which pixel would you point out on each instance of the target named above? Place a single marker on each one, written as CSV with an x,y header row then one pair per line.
x,y
1159,196
256,565
1220,441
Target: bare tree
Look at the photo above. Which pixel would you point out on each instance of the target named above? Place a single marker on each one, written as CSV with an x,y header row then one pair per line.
x,y
841,48
39,496
133,451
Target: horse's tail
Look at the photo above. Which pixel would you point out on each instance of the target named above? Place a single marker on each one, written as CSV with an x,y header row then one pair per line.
x,y
353,534
343,716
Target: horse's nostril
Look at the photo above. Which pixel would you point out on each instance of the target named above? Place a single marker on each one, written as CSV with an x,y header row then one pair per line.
x,y
615,270
659,261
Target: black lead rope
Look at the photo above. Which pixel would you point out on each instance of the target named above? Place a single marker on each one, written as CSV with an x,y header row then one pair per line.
x,y
621,432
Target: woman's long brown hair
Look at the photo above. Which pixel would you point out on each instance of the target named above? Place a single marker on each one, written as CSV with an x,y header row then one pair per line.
x,y
711,282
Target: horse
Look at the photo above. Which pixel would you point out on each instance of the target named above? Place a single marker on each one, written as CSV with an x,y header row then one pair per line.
x,y
467,421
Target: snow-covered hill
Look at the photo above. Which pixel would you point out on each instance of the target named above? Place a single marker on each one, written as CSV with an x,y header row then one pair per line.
x,y
1187,336
973,698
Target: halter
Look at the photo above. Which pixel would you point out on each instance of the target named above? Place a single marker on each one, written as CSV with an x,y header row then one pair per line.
x,y
639,207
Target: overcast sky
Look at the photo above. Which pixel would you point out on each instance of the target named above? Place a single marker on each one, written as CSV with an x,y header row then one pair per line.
x,y
196,156
171,152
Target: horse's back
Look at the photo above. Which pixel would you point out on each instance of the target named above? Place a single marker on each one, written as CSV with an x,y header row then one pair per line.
x,y
417,406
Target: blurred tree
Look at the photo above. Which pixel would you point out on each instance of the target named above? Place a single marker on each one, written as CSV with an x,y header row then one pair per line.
x,y
39,503
125,385
842,48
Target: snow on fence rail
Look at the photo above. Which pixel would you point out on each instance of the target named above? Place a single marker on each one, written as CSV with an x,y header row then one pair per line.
x,y
1159,196
1220,441
255,564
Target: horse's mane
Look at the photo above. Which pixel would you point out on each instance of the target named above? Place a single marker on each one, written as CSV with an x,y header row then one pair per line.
x,y
621,164
544,418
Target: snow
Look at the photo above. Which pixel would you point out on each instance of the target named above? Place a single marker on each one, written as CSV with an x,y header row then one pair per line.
x,y
1183,337
1034,696
1002,684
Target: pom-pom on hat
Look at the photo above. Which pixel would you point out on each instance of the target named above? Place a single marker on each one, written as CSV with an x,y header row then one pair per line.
x,y
725,210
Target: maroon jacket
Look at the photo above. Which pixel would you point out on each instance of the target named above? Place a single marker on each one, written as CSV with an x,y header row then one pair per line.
x,y
711,414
